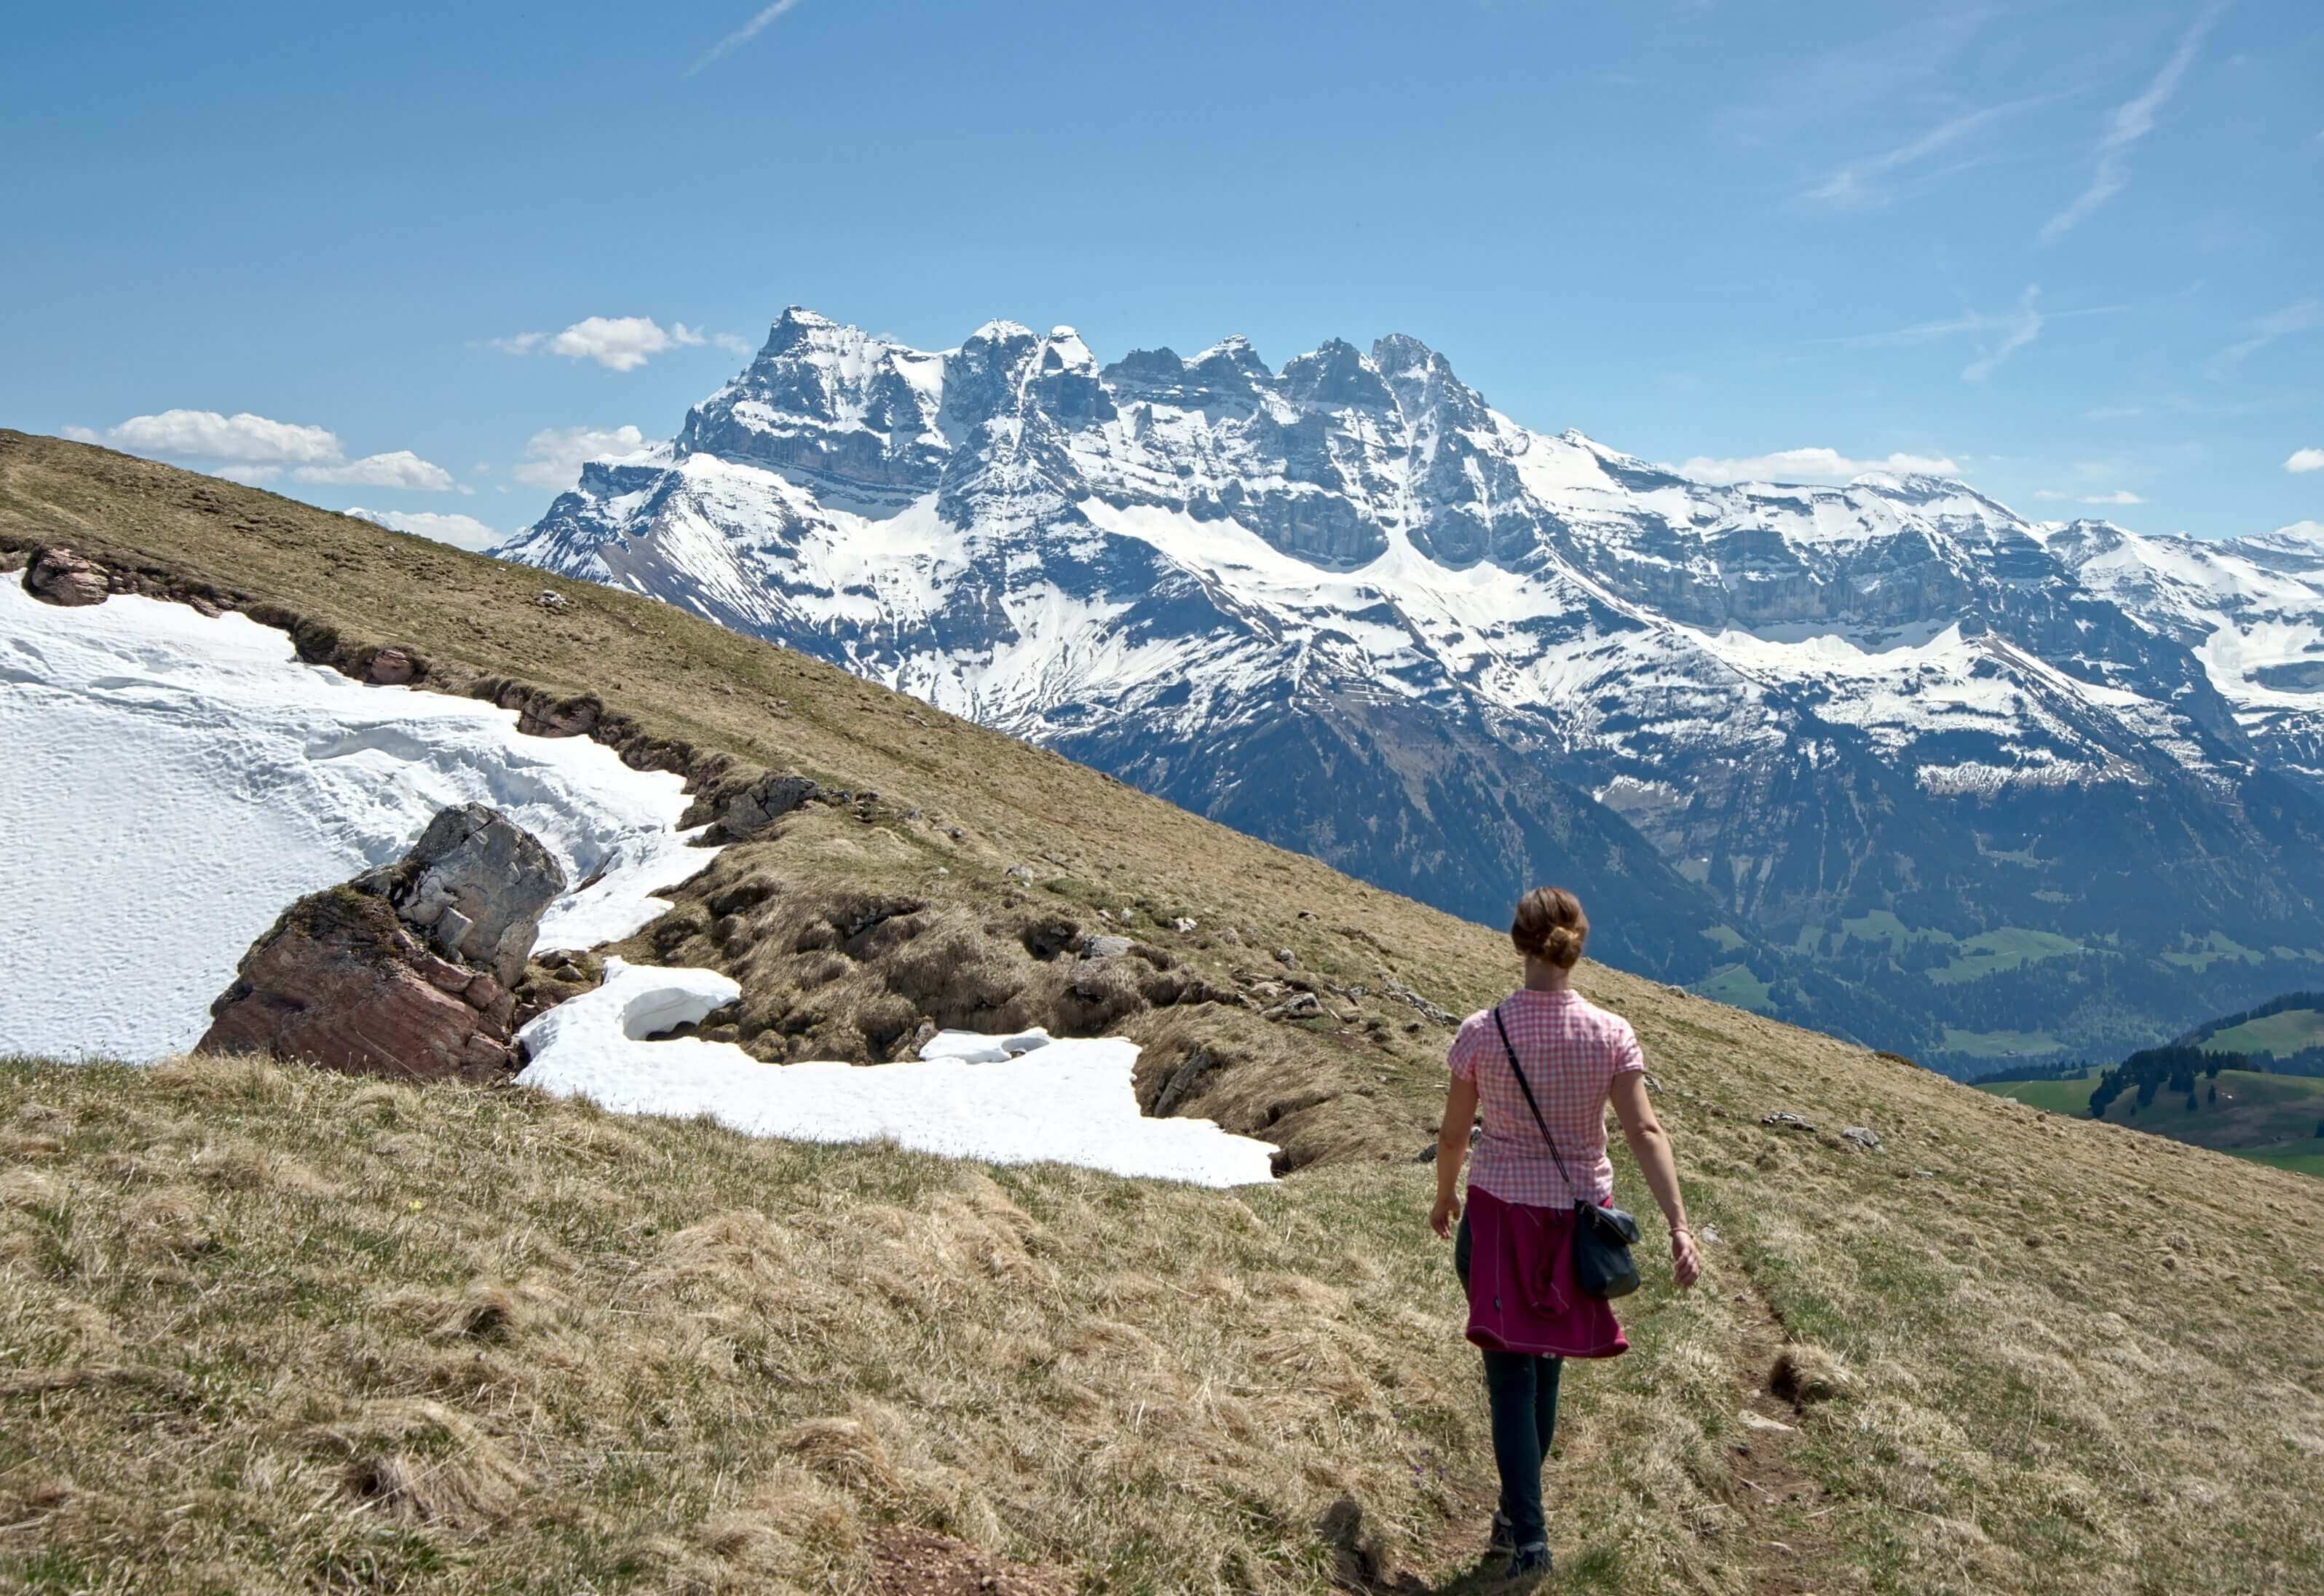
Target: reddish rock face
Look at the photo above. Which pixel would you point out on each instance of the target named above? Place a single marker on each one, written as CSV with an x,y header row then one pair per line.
x,y
406,971
392,667
342,983
60,576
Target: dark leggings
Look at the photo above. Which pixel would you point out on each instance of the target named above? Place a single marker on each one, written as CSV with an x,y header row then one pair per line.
x,y
1521,1390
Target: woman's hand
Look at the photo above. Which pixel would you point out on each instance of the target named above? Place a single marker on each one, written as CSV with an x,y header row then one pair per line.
x,y
1441,1217
1686,1264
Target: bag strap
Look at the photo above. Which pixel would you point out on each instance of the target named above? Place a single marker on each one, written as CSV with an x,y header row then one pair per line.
x,y
1526,1087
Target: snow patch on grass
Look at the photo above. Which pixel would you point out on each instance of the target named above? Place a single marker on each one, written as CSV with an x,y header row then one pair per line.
x,y
993,1098
171,782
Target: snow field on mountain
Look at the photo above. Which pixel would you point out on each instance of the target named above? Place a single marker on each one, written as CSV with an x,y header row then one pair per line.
x,y
970,1097
172,782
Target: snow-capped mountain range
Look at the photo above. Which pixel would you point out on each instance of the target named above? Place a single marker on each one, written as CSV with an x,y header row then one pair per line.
x,y
1350,607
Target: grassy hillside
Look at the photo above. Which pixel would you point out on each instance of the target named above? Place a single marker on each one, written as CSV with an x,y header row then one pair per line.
x,y
263,1329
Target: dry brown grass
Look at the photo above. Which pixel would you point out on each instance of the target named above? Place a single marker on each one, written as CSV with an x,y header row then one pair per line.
x,y
2028,1353
520,1346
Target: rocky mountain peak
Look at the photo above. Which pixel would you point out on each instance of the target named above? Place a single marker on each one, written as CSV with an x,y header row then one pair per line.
x,y
797,328
1336,374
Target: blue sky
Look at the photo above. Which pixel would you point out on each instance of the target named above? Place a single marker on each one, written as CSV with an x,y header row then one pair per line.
x,y
2076,250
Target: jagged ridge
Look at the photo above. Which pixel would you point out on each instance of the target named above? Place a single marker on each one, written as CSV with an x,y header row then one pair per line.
x,y
1353,609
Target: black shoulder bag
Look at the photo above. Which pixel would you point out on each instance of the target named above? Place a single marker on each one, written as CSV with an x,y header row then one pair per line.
x,y
1602,1233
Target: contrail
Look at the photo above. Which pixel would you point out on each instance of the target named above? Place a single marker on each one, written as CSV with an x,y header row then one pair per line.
x,y
742,35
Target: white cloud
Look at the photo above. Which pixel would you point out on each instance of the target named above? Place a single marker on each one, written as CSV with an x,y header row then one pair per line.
x,y
253,448
1810,464
617,343
81,433
742,35
2131,122
734,343
206,434
2119,497
2304,317
2049,494
398,468
2305,460
2017,331
462,532
553,456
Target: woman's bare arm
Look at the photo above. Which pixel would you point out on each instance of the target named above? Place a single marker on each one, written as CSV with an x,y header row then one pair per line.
x,y
1650,1146
1451,1151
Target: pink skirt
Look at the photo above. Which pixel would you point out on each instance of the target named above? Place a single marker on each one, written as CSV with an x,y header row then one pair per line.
x,y
1522,1295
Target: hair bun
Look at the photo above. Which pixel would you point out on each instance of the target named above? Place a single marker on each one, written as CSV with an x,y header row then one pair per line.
x,y
1550,925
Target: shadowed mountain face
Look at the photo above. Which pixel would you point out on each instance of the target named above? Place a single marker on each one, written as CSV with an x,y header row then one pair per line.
x,y
1988,785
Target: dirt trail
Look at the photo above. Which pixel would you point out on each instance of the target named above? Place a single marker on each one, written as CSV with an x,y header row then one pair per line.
x,y
1787,1537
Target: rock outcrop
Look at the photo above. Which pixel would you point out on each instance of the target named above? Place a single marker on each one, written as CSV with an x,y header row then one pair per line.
x,y
60,576
749,810
477,884
405,971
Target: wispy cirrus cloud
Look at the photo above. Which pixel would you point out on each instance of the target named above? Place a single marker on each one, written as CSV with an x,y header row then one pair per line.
x,y
2005,332
2305,316
2131,121
2018,329
1860,182
760,20
1841,82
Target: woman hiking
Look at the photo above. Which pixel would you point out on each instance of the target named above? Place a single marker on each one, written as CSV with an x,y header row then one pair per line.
x,y
1514,1249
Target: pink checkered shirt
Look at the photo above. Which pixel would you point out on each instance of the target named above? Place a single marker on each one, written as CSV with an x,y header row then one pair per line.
x,y
1571,1051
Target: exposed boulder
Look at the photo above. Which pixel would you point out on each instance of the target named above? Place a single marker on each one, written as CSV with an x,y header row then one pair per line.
x,y
476,884
750,810
1303,1005
341,982
1398,993
60,576
392,667
407,971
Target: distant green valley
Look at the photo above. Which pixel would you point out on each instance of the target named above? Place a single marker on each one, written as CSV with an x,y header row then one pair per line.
x,y
2015,994
2251,1084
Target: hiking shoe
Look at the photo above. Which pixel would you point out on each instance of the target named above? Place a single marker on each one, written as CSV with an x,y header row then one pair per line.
x,y
1528,1562
1504,1543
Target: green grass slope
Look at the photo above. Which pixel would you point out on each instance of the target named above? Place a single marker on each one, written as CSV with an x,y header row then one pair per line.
x,y
2293,1030
2055,1097
263,1329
